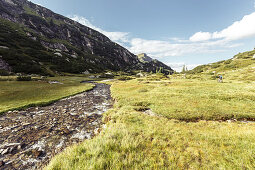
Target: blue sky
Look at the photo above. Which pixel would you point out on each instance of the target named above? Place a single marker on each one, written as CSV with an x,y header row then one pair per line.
x,y
176,32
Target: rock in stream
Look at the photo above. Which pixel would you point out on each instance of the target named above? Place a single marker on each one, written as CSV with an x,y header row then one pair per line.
x,y
31,137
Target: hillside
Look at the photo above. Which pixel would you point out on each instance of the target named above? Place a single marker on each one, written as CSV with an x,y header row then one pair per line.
x,y
37,40
156,65
240,67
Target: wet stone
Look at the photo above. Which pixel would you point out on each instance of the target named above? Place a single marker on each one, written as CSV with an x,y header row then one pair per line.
x,y
13,149
5,151
37,153
29,138
2,163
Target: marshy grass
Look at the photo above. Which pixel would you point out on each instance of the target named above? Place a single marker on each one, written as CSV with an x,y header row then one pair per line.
x,y
22,94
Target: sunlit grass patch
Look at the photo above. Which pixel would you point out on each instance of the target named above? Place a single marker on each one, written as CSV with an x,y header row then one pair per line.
x,y
191,99
19,94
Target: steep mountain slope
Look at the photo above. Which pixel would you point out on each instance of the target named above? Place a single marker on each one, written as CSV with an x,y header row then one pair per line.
x,y
153,64
36,40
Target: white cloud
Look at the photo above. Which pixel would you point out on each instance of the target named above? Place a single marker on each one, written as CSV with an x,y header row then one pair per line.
x,y
200,42
238,30
114,36
159,49
117,36
200,36
179,66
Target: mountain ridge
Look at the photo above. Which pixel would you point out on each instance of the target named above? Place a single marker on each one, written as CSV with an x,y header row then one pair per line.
x,y
62,45
146,60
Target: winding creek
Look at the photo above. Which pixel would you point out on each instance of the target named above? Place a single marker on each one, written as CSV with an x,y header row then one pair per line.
x,y
31,137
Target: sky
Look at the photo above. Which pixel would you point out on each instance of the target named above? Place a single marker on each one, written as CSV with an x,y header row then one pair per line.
x,y
176,32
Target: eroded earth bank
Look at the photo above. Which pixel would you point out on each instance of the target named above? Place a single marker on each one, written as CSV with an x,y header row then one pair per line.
x,y
29,138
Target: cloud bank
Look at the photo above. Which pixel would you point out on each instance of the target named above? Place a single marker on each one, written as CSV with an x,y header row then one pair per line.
x,y
238,30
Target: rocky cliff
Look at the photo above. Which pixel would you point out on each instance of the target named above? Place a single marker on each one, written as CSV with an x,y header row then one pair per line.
x,y
41,41
153,64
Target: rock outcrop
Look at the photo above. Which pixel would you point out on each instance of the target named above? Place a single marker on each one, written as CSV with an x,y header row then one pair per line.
x,y
3,65
153,65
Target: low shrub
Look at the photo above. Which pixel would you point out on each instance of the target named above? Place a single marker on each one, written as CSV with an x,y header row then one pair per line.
x,y
213,77
140,79
228,61
108,76
4,73
24,78
141,103
124,78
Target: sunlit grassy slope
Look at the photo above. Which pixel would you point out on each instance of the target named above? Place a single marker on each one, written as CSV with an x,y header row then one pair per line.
x,y
239,68
135,140
17,94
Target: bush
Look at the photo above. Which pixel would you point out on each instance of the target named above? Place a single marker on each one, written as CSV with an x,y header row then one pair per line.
x,y
215,65
24,78
214,77
198,69
228,61
124,78
140,79
230,66
4,73
108,76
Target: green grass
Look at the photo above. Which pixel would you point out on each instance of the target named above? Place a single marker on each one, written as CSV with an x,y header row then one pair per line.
x,y
135,140
190,99
241,61
18,94
244,74
30,11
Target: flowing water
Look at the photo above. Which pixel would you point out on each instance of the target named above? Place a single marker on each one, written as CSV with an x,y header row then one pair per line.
x,y
31,137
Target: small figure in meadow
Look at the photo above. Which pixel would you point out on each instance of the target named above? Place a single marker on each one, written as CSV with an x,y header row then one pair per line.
x,y
220,80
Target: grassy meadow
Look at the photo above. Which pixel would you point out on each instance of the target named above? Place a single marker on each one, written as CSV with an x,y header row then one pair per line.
x,y
20,94
186,130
